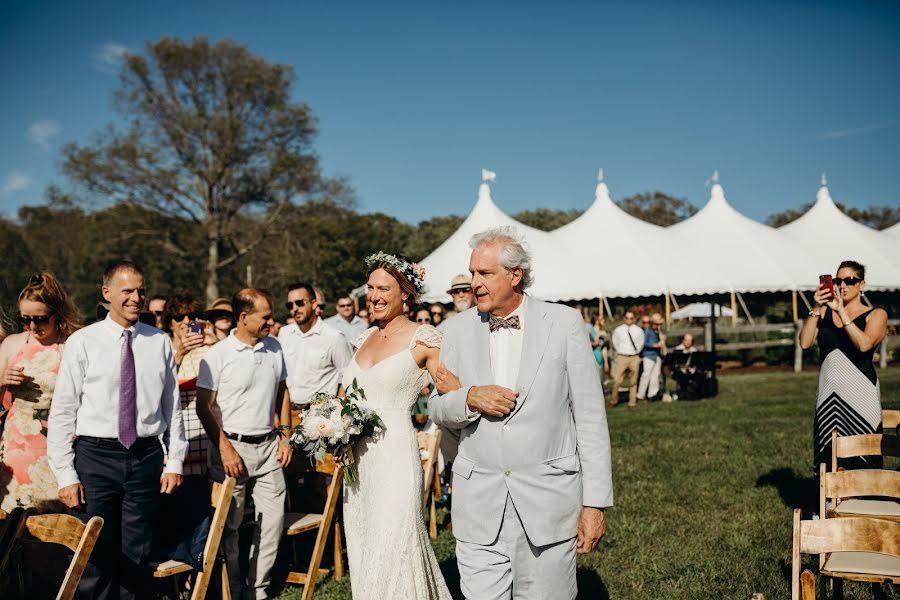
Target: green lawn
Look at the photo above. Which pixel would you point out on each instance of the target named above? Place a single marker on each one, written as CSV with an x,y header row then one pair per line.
x,y
704,495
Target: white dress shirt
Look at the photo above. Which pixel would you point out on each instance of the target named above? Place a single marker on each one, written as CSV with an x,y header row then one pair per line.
x,y
351,329
315,360
506,351
86,398
622,343
246,380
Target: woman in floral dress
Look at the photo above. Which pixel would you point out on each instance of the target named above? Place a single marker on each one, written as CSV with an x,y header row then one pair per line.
x,y
30,362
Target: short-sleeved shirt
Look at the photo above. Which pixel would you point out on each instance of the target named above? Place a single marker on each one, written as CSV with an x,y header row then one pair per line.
x,y
651,337
246,380
315,360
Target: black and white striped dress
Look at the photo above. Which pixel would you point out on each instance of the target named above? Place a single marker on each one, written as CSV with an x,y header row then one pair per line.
x,y
848,399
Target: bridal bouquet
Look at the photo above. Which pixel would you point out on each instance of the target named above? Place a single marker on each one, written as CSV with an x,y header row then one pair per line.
x,y
331,424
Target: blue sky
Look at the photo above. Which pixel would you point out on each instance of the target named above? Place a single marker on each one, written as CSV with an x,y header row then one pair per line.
x,y
413,99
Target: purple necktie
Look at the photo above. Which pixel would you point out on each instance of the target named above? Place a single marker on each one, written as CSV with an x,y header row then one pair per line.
x,y
127,395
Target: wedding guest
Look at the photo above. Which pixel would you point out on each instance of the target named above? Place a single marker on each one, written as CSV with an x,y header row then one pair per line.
x,y
241,400
848,332
422,315
651,357
437,314
598,341
686,374
687,344
314,352
533,476
346,321
182,309
30,362
156,306
219,314
320,303
627,341
115,395
364,315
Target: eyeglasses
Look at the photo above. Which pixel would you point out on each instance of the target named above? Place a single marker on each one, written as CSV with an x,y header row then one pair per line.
x,y
193,316
36,319
423,320
298,303
461,291
848,280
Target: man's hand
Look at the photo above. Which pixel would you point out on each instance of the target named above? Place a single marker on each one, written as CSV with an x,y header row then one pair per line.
x,y
446,380
72,495
285,451
591,527
231,460
492,400
169,482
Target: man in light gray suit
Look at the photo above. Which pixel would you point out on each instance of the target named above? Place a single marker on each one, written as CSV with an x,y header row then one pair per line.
x,y
533,474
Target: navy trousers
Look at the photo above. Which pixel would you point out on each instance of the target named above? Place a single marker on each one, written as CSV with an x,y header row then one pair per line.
x,y
122,486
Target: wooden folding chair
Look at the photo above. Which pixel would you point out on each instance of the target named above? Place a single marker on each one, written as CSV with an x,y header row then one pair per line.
x,y
871,444
74,534
890,419
855,548
296,523
860,493
429,445
220,496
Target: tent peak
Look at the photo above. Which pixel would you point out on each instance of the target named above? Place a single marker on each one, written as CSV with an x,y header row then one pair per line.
x,y
823,196
601,193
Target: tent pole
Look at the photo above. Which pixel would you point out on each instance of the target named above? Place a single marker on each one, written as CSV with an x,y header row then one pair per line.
x,y
668,309
608,309
794,304
674,301
734,311
746,311
805,301
600,302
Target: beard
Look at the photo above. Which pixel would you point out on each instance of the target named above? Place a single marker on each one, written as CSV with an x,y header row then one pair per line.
x,y
462,304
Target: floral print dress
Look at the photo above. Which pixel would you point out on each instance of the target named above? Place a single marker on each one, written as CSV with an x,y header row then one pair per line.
x,y
25,476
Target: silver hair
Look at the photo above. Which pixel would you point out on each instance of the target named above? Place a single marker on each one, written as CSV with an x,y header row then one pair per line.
x,y
514,252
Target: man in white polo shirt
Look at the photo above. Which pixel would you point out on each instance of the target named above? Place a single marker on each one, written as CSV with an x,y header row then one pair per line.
x,y
241,401
315,353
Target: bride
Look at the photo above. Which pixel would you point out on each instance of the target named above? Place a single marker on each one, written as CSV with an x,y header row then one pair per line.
x,y
389,551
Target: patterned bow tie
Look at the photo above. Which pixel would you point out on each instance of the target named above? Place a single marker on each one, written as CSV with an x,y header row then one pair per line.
x,y
499,323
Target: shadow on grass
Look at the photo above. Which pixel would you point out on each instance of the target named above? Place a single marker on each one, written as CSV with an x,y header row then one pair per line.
x,y
795,492
590,586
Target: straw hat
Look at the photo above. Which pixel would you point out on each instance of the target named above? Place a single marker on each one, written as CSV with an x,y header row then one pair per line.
x,y
219,305
460,282
657,318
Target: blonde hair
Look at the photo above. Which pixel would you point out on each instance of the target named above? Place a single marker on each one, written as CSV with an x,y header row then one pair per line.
x,y
45,288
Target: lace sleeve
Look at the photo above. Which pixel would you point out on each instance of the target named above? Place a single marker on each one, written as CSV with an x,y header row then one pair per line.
x,y
361,338
427,335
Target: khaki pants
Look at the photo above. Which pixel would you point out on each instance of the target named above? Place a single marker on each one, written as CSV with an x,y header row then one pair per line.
x,y
625,364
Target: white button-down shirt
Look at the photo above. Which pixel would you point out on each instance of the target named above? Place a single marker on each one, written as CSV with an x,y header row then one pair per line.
x,y
86,398
246,380
315,360
506,351
351,329
622,343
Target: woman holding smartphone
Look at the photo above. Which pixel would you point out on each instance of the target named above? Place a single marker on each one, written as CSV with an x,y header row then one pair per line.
x,y
848,399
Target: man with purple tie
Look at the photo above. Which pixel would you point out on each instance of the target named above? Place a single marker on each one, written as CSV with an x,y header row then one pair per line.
x,y
116,393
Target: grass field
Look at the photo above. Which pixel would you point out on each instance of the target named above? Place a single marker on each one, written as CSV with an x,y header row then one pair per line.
x,y
704,493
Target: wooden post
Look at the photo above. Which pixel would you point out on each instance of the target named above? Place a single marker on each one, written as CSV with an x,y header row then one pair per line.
x,y
798,351
600,302
883,353
707,335
794,304
734,312
668,309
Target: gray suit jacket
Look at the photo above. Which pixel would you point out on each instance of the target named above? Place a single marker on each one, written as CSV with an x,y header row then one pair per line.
x,y
551,453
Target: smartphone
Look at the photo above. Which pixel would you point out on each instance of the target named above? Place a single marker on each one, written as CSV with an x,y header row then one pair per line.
x,y
826,283
197,326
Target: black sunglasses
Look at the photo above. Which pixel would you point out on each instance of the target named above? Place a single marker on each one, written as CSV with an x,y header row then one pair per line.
x,y
461,291
193,316
298,303
37,319
848,280
423,320
437,312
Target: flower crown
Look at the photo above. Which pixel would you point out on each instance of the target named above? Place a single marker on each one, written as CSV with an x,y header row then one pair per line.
x,y
410,270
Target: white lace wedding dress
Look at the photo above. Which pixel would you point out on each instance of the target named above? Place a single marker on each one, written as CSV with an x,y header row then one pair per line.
x,y
389,550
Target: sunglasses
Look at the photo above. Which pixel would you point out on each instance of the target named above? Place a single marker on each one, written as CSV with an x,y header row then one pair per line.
x,y
37,319
461,291
437,312
848,280
298,303
193,316
423,320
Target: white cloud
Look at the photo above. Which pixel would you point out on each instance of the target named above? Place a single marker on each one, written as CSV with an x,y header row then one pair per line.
x,y
16,182
850,131
42,131
108,56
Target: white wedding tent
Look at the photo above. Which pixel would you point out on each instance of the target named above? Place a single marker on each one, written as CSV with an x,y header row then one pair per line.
x,y
824,236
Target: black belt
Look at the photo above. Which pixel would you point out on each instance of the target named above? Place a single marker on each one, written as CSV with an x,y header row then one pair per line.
x,y
249,439
115,444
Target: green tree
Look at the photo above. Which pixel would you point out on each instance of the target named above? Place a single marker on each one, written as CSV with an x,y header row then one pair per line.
x,y
658,208
213,137
876,217
425,237
546,219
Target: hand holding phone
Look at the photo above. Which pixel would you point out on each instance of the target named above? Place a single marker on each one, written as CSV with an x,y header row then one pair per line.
x,y
197,326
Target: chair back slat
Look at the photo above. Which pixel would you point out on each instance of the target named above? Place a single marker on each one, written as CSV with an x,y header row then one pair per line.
x,y
862,482
890,419
870,444
220,497
56,529
850,534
